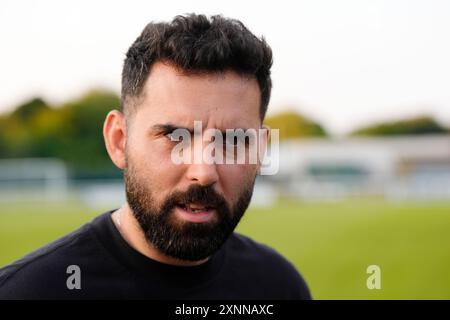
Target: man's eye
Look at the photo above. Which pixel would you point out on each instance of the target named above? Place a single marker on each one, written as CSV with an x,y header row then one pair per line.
x,y
172,137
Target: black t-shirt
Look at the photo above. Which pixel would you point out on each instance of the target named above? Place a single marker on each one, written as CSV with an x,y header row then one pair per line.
x,y
109,268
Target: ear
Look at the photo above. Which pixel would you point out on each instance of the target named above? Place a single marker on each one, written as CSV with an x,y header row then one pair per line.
x,y
115,134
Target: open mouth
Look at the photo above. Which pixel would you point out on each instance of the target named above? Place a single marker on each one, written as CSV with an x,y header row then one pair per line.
x,y
195,208
195,212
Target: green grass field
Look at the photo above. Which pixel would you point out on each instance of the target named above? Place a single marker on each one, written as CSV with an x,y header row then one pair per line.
x,y
330,243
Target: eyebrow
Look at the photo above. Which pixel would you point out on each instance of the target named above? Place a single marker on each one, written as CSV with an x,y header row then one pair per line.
x,y
170,127
167,128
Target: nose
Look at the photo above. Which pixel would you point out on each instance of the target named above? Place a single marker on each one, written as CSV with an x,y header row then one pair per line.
x,y
203,169
203,173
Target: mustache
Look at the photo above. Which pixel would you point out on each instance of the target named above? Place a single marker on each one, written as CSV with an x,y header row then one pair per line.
x,y
204,195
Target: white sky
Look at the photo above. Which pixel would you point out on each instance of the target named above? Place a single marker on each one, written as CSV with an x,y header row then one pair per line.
x,y
343,63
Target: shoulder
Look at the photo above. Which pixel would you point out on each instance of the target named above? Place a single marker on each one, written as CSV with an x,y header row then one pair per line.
x,y
266,263
44,271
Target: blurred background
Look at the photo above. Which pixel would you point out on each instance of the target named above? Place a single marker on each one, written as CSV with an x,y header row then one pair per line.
x,y
361,97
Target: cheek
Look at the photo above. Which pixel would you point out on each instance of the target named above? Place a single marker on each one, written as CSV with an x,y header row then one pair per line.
x,y
235,178
153,162
153,153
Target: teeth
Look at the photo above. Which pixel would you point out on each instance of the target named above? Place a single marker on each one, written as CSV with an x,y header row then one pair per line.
x,y
195,208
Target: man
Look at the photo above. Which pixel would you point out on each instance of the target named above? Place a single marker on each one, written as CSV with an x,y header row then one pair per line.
x,y
173,238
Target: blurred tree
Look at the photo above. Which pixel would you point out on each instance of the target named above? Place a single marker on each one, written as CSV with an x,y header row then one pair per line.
x,y
16,135
82,132
72,132
416,125
3,141
29,109
293,125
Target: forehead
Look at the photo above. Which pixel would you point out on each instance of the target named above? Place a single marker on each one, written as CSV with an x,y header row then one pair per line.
x,y
220,100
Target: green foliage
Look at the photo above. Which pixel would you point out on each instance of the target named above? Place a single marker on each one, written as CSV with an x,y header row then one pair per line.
x,y
414,126
292,125
72,132
83,123
29,109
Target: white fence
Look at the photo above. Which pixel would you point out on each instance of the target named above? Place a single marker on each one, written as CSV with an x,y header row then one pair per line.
x,y
28,180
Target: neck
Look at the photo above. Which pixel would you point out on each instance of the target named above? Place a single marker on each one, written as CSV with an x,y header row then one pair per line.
x,y
130,230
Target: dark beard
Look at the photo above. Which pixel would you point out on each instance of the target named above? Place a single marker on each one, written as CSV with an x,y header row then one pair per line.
x,y
181,239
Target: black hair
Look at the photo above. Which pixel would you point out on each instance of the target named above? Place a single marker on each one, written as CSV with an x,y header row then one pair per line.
x,y
195,43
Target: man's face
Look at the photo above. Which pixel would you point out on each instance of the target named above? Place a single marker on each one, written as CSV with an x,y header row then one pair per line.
x,y
188,210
